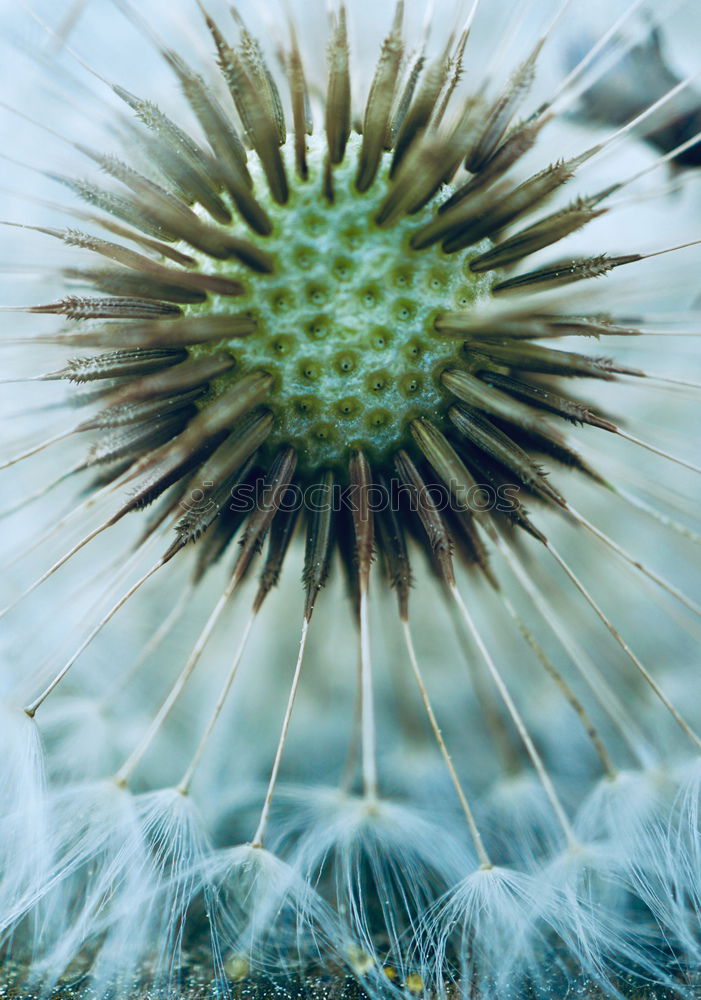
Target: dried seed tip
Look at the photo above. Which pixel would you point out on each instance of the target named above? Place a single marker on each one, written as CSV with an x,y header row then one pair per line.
x,y
536,237
360,478
137,262
118,364
258,523
501,113
77,307
338,95
429,514
534,357
445,462
301,109
252,54
565,273
418,114
378,111
393,545
320,539
546,399
257,102
521,139
479,392
185,375
220,474
183,332
281,535
489,439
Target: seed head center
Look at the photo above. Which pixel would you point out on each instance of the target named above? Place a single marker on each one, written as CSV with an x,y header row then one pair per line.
x,y
345,324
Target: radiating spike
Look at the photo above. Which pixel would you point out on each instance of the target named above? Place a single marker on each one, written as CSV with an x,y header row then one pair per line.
x,y
182,158
301,116
520,140
185,331
468,228
556,446
421,109
117,364
363,520
168,464
483,396
534,357
481,433
174,218
393,545
258,523
227,467
470,546
117,444
169,381
319,541
281,533
378,111
406,97
430,516
360,477
217,540
456,66
217,126
79,307
211,422
252,54
499,116
427,166
445,461
215,283
492,475
454,474
338,96
259,116
541,234
525,324
131,284
537,396
564,273
157,247
131,210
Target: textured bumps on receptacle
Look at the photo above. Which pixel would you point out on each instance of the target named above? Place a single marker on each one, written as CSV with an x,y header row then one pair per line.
x,y
345,322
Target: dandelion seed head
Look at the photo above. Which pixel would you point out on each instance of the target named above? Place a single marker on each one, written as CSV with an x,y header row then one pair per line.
x,y
352,299
337,320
